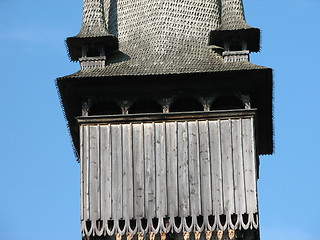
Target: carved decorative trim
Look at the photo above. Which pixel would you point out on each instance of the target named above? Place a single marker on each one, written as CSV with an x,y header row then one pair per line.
x,y
246,101
86,107
92,62
221,229
125,105
159,117
165,103
206,102
236,56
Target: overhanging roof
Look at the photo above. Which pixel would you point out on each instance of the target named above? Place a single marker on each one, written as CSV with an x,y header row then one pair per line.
x,y
256,82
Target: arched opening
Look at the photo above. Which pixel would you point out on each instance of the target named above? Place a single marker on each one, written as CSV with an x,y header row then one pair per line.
x,y
105,107
145,106
93,52
235,46
227,102
186,104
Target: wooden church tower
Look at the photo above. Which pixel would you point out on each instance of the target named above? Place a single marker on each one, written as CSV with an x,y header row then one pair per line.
x,y
168,117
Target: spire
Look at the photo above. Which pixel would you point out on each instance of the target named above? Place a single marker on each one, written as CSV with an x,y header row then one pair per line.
x,y
232,15
234,35
93,42
93,19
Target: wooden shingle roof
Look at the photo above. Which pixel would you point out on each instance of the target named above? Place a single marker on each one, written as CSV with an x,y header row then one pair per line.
x,y
167,41
161,37
188,62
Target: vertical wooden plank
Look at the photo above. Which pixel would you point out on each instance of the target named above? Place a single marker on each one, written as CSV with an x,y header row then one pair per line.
x,y
240,200
149,155
183,169
117,171
106,173
172,180
87,172
216,167
227,166
254,164
93,155
82,160
205,167
194,169
161,170
127,172
249,165
138,170
99,170
103,172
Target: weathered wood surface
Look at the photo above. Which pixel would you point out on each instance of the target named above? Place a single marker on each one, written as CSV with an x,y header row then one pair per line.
x,y
158,170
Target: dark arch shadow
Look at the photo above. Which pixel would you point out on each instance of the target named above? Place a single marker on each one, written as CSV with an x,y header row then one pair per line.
x,y
227,102
186,104
105,107
145,106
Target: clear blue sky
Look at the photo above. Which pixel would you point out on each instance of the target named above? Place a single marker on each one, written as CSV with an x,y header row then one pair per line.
x,y
39,180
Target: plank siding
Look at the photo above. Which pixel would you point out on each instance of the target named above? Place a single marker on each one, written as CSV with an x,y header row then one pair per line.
x,y
183,170
127,172
87,171
194,169
150,170
117,171
106,172
205,166
82,158
227,167
240,203
159,169
161,173
216,171
172,169
249,166
138,167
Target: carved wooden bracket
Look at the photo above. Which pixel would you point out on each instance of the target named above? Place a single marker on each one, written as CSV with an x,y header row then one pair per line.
x,y
246,101
165,103
125,105
206,102
86,104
